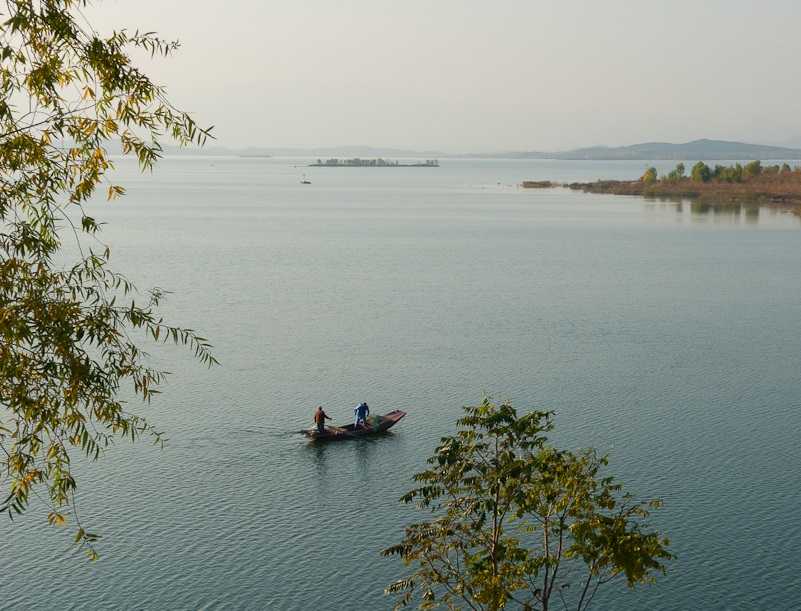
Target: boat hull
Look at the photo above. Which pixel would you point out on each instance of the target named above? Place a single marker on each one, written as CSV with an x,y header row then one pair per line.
x,y
376,425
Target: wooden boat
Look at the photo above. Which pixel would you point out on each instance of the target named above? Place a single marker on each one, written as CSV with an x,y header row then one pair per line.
x,y
375,425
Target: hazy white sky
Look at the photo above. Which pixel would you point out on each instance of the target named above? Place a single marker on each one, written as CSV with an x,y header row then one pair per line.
x,y
477,75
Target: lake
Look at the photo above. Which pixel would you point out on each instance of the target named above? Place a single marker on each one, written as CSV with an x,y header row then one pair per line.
x,y
664,333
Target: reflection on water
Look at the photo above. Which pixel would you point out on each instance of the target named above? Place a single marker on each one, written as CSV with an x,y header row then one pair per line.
x,y
360,451
317,451
724,212
729,212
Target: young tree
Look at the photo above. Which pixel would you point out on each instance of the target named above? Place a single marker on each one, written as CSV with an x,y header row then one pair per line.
x,y
67,326
676,174
650,175
732,173
701,172
753,169
517,522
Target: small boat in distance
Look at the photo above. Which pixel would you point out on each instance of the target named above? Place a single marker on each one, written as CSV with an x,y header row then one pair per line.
x,y
375,426
303,181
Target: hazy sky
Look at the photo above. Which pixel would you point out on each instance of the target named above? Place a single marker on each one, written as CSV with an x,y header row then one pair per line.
x,y
477,75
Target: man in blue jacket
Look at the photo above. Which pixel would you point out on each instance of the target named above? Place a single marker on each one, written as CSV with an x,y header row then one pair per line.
x,y
361,412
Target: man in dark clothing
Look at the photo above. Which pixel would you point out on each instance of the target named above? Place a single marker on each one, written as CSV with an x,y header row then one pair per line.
x,y
319,418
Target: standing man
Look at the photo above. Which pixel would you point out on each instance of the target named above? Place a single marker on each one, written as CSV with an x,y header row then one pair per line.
x,y
361,414
319,418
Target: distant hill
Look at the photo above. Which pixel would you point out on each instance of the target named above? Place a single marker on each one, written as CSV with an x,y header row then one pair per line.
x,y
323,153
706,150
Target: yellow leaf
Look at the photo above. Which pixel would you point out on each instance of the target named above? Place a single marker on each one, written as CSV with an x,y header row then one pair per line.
x,y
56,518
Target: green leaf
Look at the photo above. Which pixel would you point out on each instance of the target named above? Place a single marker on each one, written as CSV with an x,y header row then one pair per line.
x,y
65,347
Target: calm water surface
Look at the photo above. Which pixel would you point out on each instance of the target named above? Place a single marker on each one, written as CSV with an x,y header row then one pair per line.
x,y
666,334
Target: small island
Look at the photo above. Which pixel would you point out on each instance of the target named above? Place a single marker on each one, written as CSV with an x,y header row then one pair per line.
x,y
753,182
372,163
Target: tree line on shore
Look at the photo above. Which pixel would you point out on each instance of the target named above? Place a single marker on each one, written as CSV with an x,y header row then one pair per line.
x,y
701,172
750,182
357,161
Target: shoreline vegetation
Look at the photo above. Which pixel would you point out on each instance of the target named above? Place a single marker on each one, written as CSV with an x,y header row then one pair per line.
x,y
357,162
751,183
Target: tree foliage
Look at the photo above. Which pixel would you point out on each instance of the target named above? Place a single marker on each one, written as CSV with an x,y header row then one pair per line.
x,y
650,175
701,172
753,169
516,522
732,173
676,174
68,323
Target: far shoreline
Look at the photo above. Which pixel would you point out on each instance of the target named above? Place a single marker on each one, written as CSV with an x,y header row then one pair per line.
x,y
771,185
379,162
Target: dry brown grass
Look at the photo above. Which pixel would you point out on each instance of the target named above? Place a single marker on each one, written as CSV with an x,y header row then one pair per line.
x,y
782,189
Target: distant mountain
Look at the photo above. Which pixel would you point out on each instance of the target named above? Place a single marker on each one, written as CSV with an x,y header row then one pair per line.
x,y
706,150
324,152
